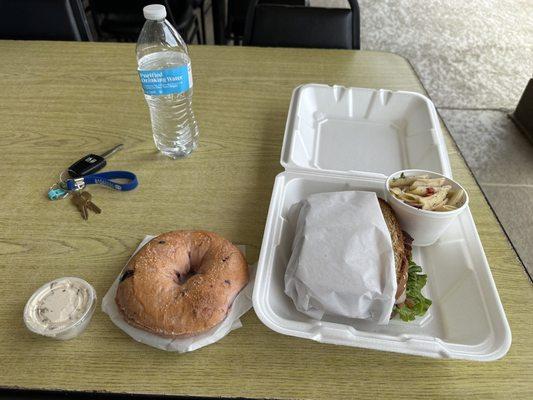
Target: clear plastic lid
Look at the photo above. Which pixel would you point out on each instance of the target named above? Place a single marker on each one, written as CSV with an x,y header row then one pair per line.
x,y
60,307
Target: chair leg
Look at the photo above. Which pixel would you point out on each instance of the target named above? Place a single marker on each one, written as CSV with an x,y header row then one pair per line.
x,y
202,17
198,35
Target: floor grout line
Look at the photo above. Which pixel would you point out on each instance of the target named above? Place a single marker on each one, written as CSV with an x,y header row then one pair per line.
x,y
503,109
513,185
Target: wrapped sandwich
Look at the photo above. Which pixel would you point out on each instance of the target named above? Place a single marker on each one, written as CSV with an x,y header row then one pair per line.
x,y
350,258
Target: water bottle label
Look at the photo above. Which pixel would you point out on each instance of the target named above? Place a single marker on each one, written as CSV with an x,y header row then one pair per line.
x,y
166,81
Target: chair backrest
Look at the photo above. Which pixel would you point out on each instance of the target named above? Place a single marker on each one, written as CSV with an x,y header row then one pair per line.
x,y
276,25
238,9
124,9
123,19
44,20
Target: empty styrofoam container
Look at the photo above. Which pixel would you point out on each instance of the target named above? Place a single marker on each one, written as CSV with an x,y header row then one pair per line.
x,y
354,131
339,139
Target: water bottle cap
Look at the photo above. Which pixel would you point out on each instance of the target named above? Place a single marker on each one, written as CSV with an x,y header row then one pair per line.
x,y
155,12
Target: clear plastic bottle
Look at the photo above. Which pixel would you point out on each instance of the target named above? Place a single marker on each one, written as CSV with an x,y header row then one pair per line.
x,y
165,71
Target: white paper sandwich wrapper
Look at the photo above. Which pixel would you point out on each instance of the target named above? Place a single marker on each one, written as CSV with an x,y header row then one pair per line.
x,y
241,304
342,261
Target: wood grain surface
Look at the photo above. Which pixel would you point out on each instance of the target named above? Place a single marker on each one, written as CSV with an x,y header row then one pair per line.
x,y
61,100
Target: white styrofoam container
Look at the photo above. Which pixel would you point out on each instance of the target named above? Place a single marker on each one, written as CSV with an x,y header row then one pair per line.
x,y
466,319
357,131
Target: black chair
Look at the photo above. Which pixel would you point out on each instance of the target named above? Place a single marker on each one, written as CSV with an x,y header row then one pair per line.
x,y
295,26
44,20
200,5
237,11
522,115
122,20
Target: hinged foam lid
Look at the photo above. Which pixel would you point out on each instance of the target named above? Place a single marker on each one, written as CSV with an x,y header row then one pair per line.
x,y
358,131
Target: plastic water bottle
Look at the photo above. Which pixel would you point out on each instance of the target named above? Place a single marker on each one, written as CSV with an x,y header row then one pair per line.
x,y
165,71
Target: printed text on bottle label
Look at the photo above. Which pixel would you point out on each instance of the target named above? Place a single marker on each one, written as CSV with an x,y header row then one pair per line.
x,y
166,81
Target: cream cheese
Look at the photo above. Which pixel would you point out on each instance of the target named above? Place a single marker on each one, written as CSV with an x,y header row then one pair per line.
x,y
61,308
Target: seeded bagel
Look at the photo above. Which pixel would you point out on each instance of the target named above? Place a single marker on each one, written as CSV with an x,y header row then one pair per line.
x,y
181,283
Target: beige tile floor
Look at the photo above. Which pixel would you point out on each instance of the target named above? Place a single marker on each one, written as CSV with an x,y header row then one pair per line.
x,y
501,158
474,59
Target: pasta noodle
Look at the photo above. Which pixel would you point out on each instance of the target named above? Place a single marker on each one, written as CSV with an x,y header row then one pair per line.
x,y
428,182
421,191
455,197
403,181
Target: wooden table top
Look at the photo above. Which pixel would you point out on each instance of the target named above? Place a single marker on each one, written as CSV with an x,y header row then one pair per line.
x,y
62,100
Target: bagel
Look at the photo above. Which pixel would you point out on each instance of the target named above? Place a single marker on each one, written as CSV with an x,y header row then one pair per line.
x,y
181,283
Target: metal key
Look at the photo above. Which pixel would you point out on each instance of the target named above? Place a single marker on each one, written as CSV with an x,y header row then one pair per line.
x,y
89,204
80,203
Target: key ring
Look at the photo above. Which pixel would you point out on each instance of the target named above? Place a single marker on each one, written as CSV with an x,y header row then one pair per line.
x,y
63,182
58,190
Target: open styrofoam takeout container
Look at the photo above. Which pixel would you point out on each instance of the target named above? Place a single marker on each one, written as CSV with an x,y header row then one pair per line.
x,y
339,138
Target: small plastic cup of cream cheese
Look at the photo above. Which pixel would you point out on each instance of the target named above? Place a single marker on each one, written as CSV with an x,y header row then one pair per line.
x,y
60,309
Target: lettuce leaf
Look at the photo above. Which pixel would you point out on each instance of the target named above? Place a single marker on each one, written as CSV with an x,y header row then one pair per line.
x,y
415,303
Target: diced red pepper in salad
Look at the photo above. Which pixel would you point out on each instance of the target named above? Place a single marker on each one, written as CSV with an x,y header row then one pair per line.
x,y
430,191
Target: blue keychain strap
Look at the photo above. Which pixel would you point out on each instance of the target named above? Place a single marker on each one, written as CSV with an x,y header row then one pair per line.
x,y
106,179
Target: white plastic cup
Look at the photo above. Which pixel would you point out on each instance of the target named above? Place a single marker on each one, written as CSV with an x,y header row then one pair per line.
x,y
425,227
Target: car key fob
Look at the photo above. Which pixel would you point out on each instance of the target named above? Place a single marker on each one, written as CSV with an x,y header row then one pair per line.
x,y
91,163
86,166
